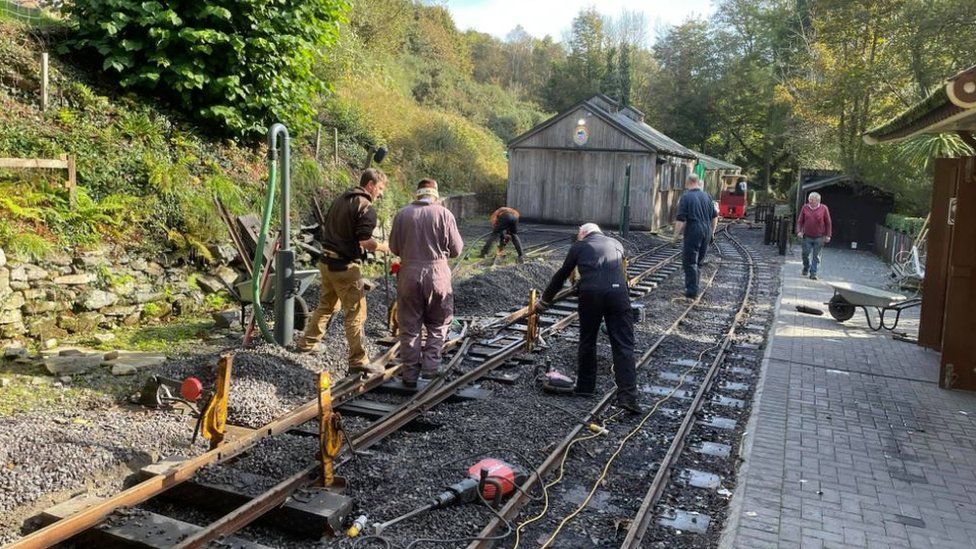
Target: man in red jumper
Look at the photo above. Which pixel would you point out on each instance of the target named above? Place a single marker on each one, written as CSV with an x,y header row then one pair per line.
x,y
813,227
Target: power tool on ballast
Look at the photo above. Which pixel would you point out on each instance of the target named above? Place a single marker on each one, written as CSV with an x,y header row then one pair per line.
x,y
492,479
553,381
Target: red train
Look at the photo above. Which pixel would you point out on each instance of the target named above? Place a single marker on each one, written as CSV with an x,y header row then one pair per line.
x,y
732,203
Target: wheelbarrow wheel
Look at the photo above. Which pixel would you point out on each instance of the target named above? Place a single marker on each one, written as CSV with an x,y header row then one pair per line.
x,y
840,308
301,313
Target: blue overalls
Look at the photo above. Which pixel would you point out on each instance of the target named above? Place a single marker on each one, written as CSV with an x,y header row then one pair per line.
x,y
696,210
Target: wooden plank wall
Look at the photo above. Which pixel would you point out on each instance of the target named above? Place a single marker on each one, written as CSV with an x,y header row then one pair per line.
x,y
580,186
601,134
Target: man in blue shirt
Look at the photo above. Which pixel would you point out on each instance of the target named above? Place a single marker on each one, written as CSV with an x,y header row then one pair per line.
x,y
698,219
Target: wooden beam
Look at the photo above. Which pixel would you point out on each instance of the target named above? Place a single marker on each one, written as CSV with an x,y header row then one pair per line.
x,y
31,163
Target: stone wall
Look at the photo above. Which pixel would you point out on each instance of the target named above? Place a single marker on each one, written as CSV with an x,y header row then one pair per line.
x,y
93,291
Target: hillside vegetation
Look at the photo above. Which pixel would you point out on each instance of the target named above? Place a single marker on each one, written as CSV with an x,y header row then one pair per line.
x,y
163,115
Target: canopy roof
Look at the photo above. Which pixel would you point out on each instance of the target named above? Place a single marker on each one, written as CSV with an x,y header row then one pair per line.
x,y
950,108
712,163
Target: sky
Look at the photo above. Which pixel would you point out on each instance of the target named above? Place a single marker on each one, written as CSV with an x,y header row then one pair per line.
x,y
553,17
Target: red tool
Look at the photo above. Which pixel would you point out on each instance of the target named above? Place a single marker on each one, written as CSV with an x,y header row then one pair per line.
x,y
492,478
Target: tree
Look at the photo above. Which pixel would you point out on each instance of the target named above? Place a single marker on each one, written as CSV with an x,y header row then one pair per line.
x,y
237,65
581,74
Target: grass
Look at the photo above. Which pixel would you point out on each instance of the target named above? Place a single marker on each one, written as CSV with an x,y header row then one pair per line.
x,y
179,336
32,388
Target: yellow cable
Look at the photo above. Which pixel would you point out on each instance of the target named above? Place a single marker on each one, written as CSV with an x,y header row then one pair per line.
x,y
620,447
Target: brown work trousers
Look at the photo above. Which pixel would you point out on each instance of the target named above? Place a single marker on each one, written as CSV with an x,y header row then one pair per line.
x,y
345,287
425,299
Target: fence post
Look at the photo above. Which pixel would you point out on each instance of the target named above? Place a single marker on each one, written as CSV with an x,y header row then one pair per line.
x,y
784,235
318,141
44,72
335,146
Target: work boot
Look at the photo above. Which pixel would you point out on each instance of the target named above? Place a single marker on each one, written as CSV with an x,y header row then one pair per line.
x,y
584,390
805,272
368,369
630,404
318,348
409,374
520,260
430,373
813,276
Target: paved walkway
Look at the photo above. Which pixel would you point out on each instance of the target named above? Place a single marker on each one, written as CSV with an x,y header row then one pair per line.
x,y
852,443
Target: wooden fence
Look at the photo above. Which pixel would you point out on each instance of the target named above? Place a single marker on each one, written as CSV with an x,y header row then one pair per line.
x,y
889,244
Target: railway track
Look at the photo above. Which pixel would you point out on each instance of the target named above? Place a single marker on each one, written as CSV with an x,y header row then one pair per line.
x,y
474,356
683,389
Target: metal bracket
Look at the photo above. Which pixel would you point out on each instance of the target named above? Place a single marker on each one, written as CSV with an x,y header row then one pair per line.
x,y
330,433
214,422
532,322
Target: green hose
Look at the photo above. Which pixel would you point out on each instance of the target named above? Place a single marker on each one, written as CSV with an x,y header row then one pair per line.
x,y
258,262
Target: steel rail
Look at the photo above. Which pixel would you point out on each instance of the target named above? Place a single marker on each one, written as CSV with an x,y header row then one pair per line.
x,y
279,493
517,501
431,396
77,523
644,514
566,292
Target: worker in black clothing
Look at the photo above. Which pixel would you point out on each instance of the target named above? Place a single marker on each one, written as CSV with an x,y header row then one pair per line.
x,y
603,295
698,219
504,226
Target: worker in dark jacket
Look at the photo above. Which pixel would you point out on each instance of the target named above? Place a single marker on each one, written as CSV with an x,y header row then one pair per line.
x,y
504,226
603,296
698,219
346,232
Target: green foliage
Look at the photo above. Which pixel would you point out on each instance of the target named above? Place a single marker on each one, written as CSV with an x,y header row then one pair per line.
x,y
904,224
921,150
234,64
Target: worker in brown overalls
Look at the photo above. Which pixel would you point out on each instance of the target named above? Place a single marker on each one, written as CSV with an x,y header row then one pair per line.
x,y
504,226
345,233
424,235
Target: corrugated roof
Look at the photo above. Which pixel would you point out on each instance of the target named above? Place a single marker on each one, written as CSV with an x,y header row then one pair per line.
x,y
712,163
654,140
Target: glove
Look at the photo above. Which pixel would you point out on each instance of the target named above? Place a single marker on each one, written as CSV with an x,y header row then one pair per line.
x,y
542,305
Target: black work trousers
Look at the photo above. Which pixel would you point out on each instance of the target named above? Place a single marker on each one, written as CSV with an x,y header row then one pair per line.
x,y
614,307
506,226
697,239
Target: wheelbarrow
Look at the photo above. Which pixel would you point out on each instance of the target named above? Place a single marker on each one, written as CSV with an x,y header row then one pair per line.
x,y
847,297
303,280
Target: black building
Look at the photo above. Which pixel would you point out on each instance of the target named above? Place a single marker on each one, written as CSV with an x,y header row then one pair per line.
x,y
855,207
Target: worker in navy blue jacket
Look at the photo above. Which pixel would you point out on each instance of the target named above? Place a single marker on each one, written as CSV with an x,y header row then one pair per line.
x,y
698,219
603,296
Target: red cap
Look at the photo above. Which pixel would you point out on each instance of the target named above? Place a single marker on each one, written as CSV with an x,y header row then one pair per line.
x,y
191,389
395,268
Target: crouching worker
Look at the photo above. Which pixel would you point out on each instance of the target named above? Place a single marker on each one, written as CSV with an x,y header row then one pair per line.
x,y
424,235
346,232
504,226
603,296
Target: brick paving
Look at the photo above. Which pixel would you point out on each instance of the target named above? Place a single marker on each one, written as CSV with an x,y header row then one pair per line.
x,y
851,442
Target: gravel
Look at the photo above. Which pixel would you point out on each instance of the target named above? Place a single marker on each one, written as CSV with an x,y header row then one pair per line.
x,y
64,450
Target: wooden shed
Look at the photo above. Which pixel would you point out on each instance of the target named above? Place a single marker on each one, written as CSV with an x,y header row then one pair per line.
x,y
949,288
571,168
715,169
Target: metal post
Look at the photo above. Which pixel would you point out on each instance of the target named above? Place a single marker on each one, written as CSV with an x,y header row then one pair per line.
x,y
318,141
44,73
784,234
335,146
625,210
284,306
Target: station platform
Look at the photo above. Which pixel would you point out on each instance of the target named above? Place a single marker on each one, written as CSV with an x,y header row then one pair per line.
x,y
851,442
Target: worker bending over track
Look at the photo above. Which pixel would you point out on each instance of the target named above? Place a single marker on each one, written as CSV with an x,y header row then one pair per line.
x,y
603,296
346,232
504,226
424,235
698,219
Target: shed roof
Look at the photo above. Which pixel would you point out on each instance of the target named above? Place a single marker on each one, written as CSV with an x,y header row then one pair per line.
x,y
951,107
712,163
654,140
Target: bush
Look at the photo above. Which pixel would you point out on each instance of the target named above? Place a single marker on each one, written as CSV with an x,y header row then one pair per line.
x,y
904,224
237,64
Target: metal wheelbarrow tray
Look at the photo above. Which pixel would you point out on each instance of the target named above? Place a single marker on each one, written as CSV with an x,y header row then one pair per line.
x,y
303,279
847,297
